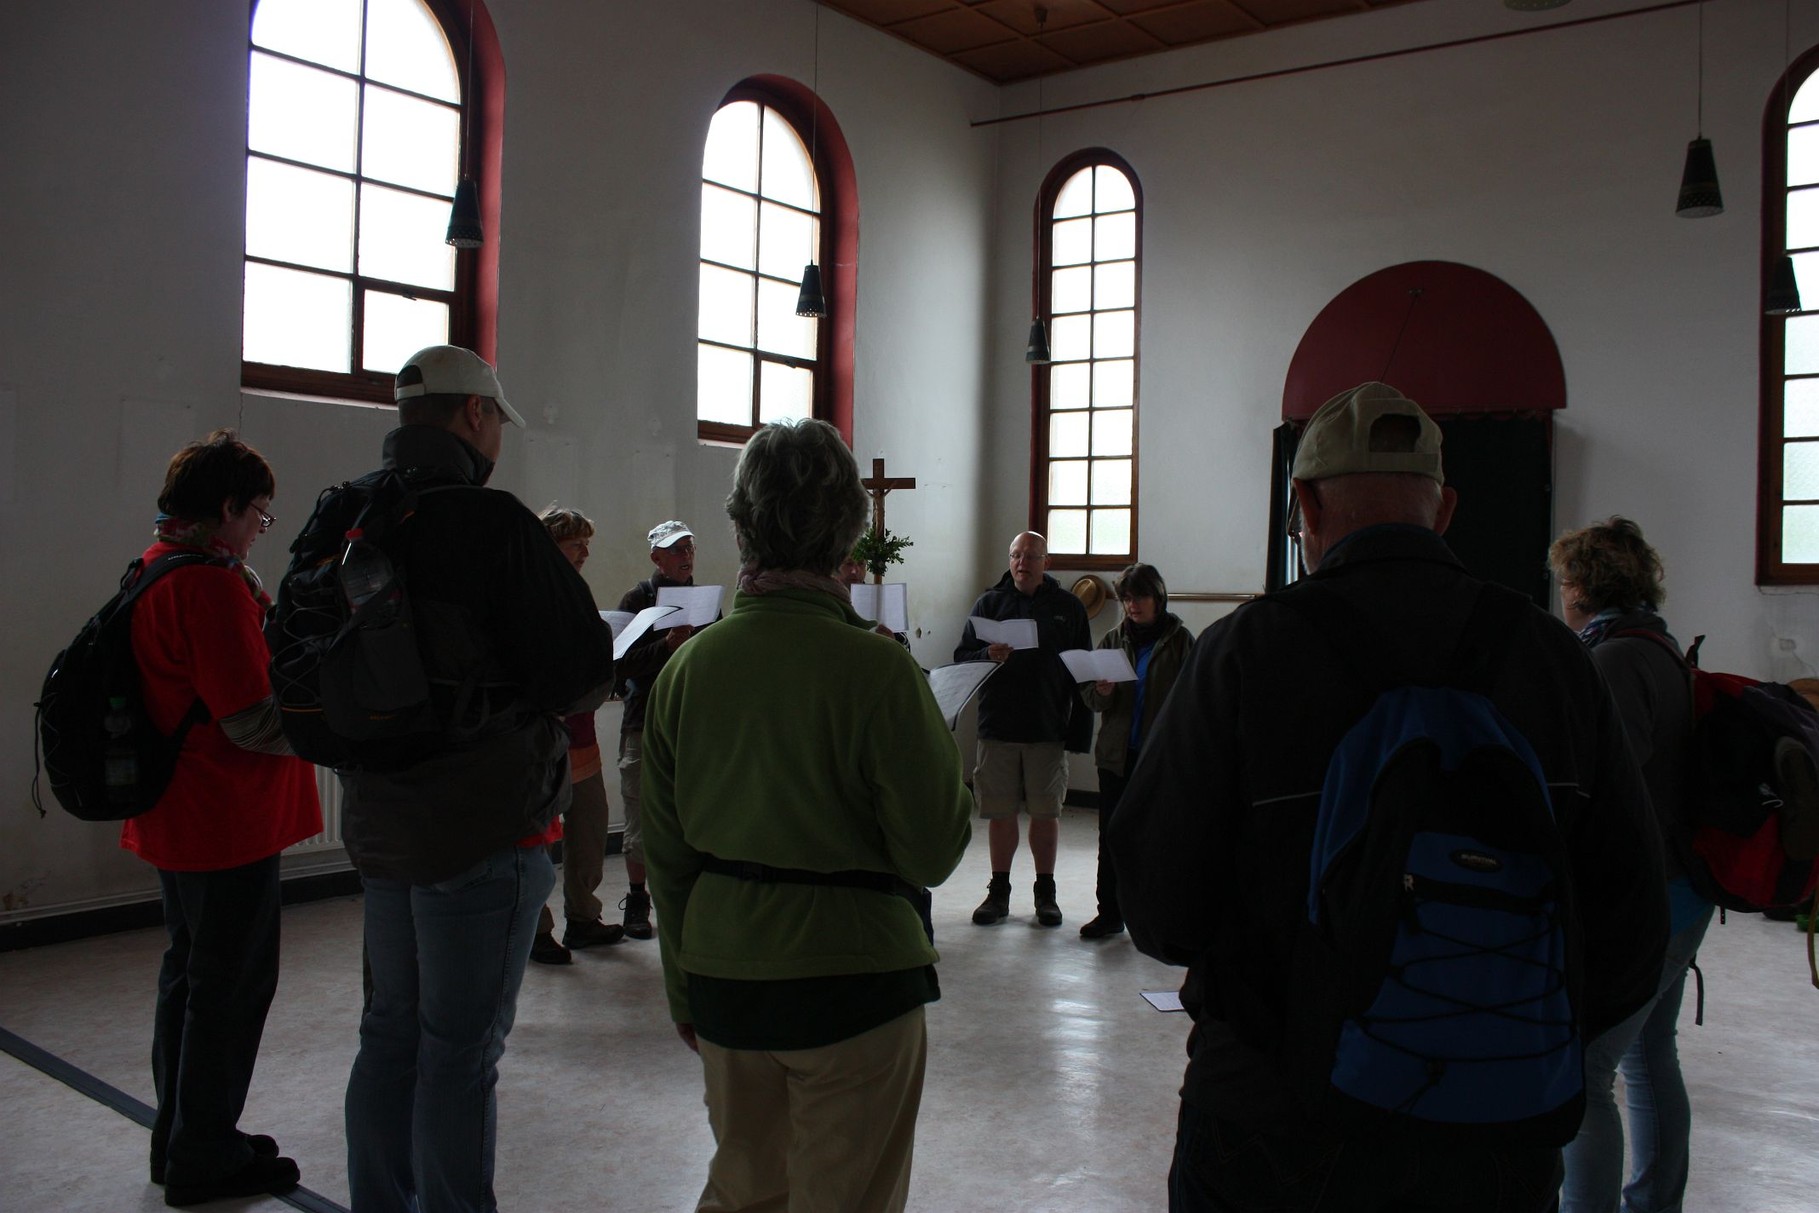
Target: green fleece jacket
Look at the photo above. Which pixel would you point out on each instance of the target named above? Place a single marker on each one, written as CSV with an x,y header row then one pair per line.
x,y
791,734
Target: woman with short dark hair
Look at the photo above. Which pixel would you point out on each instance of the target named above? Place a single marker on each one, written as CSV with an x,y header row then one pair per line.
x,y
236,799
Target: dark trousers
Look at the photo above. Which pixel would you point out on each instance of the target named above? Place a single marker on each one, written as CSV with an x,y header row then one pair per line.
x,y
1228,1167
216,984
1111,791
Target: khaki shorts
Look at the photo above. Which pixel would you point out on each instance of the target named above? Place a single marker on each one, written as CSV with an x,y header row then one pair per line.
x,y
1026,775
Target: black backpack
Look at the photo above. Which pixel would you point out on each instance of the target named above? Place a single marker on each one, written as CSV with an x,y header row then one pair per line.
x,y
349,683
104,758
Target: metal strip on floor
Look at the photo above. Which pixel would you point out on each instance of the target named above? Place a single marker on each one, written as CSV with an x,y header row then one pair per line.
x,y
135,1110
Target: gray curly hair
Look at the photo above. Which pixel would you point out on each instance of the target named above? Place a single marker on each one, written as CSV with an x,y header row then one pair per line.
x,y
796,502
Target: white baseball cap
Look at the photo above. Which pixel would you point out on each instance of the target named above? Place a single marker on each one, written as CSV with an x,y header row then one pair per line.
x,y
450,370
665,534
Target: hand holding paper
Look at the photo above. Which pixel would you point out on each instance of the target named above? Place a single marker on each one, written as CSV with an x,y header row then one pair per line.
x,y
1018,633
1098,665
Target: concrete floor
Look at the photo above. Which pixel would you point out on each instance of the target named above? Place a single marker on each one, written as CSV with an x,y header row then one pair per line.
x,y
1051,1083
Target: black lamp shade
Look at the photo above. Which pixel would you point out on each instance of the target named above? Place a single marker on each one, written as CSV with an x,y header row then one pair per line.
x,y
464,230
811,302
1699,194
1783,298
1037,353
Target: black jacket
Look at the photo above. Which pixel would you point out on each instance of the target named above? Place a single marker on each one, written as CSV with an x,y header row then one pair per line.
x,y
1032,697
489,593
1654,696
1212,838
646,658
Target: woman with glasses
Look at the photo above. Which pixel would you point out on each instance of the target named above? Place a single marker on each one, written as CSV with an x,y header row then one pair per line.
x,y
235,800
1155,642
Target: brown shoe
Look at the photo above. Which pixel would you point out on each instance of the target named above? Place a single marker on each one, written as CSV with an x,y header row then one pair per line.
x,y
587,933
546,951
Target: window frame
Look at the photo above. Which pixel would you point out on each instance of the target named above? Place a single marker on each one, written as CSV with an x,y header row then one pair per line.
x,y
1040,412
835,254
473,299
1771,442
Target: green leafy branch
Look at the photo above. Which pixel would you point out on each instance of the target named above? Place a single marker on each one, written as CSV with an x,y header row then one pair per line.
x,y
877,552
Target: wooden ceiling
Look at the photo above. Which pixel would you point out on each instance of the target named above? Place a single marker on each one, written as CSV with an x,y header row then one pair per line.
x,y
1008,40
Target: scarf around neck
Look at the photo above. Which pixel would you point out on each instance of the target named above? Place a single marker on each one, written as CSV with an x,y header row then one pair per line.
x,y
203,535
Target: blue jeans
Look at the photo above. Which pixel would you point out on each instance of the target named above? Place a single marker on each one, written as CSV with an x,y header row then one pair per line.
x,y
1661,1119
446,961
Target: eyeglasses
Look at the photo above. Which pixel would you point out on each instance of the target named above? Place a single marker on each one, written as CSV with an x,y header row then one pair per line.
x,y
265,520
1294,520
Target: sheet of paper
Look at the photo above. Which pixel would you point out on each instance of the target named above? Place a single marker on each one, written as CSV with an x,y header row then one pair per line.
x,y
1098,665
890,608
1018,633
955,684
1164,1000
627,627
700,604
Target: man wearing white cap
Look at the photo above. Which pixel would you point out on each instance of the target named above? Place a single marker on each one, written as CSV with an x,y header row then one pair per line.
x,y
451,847
1398,932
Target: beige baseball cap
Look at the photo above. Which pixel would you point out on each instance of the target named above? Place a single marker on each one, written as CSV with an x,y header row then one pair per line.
x,y
1337,440
450,370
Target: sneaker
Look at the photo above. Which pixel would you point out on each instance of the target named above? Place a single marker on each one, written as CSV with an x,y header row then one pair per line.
x,y
586,933
546,951
260,1177
996,907
637,907
1048,912
1102,925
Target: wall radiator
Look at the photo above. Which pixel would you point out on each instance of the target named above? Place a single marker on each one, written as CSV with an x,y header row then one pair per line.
x,y
328,790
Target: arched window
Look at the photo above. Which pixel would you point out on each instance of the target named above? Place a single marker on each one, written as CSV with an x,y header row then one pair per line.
x,y
360,122
1787,516
771,203
1083,483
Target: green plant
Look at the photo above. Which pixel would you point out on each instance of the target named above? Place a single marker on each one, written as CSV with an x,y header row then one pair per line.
x,y
877,552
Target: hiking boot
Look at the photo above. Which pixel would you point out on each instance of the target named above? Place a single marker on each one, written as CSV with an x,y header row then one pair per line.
x,y
588,932
1103,924
637,907
1048,912
997,904
546,951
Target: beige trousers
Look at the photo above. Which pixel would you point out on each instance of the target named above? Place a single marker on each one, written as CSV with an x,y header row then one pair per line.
x,y
826,1130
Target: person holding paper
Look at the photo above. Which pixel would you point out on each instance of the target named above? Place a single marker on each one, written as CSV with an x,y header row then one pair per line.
x,y
673,552
851,573
1155,643
1030,718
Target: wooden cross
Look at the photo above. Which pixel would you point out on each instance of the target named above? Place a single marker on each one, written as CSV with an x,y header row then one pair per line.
x,y
879,485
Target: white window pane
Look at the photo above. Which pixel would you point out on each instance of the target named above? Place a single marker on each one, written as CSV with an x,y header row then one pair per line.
x,y
1111,482
1803,155
1070,338
301,113
402,238
1066,531
295,214
1802,346
786,241
729,227
1800,471
1073,242
1068,435
295,318
1114,334
1112,431
1071,290
410,142
1076,196
1800,534
1114,384
785,393
786,173
723,385
780,330
405,46
322,31
727,298
1112,190
1115,285
1067,482
1068,385
1115,237
1806,277
1801,418
731,157
1805,107
397,327
1111,532
1803,218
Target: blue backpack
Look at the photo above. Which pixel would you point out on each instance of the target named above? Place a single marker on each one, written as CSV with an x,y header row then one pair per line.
x,y
1436,980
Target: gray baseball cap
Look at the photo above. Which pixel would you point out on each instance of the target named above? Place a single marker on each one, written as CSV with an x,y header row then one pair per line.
x,y
665,534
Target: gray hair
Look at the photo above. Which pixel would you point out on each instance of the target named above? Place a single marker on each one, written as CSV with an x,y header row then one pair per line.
x,y
796,502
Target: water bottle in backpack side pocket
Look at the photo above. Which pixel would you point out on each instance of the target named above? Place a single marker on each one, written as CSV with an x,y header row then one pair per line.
x,y
121,758
365,571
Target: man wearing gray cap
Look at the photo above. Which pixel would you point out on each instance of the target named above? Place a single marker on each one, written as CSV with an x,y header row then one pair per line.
x,y
1390,824
451,844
